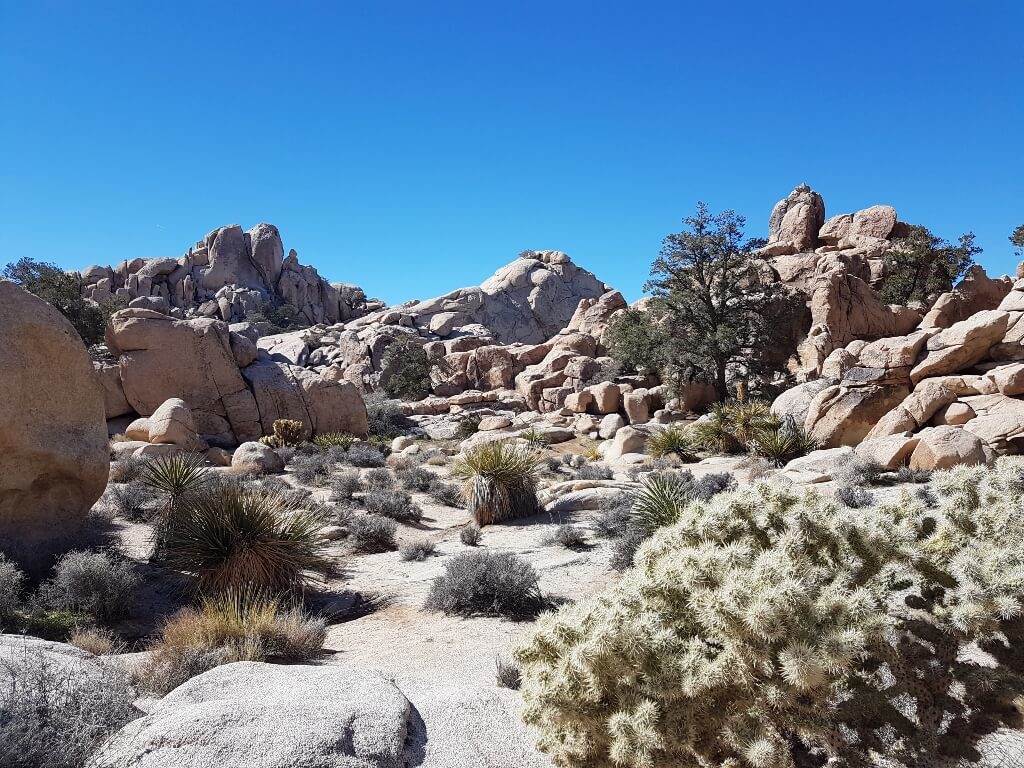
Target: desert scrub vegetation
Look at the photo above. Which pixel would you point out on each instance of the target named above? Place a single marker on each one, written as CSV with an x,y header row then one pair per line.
x,y
173,479
593,471
372,533
57,714
481,583
416,478
241,625
448,494
95,640
341,440
569,537
781,443
670,441
364,456
345,484
405,369
772,628
470,535
417,550
499,482
385,417
90,583
131,500
12,580
312,468
729,427
394,504
127,469
379,479
288,433
507,673
232,537
534,438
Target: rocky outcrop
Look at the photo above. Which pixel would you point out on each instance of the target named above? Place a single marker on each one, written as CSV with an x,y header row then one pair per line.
x,y
196,363
795,221
53,438
227,275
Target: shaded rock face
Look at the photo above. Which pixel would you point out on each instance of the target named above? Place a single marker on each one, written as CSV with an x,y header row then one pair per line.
x,y
53,436
194,360
228,274
796,219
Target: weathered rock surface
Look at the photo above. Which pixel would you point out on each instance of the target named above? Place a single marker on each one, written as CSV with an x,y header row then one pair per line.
x,y
943,447
53,436
257,459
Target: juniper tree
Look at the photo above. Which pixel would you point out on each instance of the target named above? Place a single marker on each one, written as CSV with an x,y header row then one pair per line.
x,y
405,369
769,628
921,265
1017,239
718,305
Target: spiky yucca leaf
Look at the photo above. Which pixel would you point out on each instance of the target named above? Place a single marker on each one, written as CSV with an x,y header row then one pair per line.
x,y
499,481
234,537
781,446
534,438
174,477
677,440
659,502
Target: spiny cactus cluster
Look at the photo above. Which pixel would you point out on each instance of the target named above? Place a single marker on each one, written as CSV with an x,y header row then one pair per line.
x,y
288,433
768,628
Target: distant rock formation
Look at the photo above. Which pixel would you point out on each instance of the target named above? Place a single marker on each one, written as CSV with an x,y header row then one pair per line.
x,y
227,275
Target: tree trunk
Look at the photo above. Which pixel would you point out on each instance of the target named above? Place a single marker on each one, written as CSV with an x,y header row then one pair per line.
x,y
721,388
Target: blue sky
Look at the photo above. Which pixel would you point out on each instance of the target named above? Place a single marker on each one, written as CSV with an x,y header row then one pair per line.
x,y
414,147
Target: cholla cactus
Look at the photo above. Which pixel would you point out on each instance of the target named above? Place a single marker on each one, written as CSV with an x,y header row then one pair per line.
x,y
770,629
288,433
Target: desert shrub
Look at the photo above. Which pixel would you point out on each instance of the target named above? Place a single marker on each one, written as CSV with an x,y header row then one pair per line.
x,y
288,433
286,454
94,640
468,426
588,450
855,471
551,464
729,427
405,369
364,456
507,673
486,583
238,626
127,469
470,535
341,440
907,475
172,479
593,471
232,538
660,500
379,479
926,496
611,522
312,469
713,483
853,497
397,505
672,440
11,582
385,417
417,550
372,533
345,484
131,500
569,537
90,583
416,479
774,628
781,444
625,547
500,482
57,714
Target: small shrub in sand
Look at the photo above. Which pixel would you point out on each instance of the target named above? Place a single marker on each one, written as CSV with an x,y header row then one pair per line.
x,y
507,674
488,584
127,468
95,640
447,494
612,521
345,484
417,550
132,500
470,535
312,469
372,533
593,471
398,505
379,479
90,583
569,537
364,455
416,479
288,433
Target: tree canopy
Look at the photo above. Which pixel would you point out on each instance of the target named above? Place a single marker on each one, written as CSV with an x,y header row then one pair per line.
x,y
922,265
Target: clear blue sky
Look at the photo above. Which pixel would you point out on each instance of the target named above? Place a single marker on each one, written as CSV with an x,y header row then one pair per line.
x,y
414,147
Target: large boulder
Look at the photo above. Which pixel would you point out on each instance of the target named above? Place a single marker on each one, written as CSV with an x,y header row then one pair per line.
x,y
53,434
999,421
974,293
850,309
943,447
797,400
252,715
844,415
796,220
961,345
172,423
163,358
257,459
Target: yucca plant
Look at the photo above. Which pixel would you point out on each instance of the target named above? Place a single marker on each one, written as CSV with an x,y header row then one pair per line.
x,y
781,444
659,502
334,440
534,438
237,537
588,450
730,426
288,433
173,478
677,440
499,481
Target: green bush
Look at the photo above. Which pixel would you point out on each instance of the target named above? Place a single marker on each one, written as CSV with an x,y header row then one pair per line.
x,y
90,583
288,433
334,440
486,583
782,443
235,537
372,533
672,440
417,550
11,582
397,505
405,370
773,628
500,482
729,427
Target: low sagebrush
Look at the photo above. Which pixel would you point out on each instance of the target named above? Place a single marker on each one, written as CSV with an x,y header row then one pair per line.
x,y
379,479
372,533
12,579
312,469
345,484
470,534
397,505
612,521
127,468
416,479
508,674
856,471
341,440
593,471
94,640
364,455
853,497
486,583
568,536
446,493
131,500
417,550
90,583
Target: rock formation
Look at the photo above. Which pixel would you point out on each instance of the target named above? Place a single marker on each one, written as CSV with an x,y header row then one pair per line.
x,y
53,441
227,275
